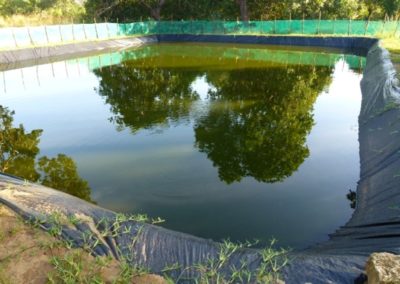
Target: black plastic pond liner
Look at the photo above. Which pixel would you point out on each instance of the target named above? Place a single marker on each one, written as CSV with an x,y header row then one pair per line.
x,y
374,226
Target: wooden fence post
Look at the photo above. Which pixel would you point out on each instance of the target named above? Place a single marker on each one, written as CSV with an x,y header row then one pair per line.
x,y
397,27
73,32
59,30
30,36
15,39
334,24
319,22
349,27
108,30
95,28
366,27
47,35
84,30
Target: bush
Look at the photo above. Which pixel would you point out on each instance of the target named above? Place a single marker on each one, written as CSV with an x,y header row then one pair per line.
x,y
39,12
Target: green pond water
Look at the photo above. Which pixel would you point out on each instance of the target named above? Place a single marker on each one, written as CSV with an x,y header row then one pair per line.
x,y
222,141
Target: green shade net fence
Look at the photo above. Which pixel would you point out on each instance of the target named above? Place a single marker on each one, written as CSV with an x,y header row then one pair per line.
x,y
59,34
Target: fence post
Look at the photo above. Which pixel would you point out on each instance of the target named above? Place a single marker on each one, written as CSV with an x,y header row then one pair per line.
x,y
302,25
108,30
30,36
334,23
15,39
275,25
61,37
366,27
47,35
118,27
349,27
290,22
397,26
95,28
84,30
319,22
73,32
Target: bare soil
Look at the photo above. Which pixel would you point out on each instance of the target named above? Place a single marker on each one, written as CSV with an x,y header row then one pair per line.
x,y
26,253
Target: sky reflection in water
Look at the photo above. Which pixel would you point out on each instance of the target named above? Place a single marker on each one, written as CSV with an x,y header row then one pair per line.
x,y
266,149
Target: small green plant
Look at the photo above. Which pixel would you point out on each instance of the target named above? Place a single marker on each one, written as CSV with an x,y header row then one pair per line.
x,y
72,268
217,270
273,261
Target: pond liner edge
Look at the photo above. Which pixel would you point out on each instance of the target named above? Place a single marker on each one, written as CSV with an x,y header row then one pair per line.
x,y
374,226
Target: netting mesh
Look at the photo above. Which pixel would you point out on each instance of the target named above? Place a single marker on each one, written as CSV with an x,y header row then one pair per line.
x,y
57,34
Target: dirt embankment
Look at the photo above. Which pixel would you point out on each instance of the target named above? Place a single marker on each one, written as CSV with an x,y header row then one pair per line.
x,y
30,255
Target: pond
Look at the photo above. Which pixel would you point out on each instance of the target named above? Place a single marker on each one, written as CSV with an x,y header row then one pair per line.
x,y
222,141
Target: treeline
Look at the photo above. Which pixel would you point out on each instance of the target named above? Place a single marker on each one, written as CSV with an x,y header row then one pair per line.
x,y
38,12
12,7
134,10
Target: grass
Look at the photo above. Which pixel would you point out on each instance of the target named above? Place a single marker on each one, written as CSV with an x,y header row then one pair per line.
x,y
37,19
392,44
71,268
61,12
218,270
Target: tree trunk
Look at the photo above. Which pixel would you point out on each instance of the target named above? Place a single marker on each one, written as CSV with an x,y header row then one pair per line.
x,y
155,12
244,15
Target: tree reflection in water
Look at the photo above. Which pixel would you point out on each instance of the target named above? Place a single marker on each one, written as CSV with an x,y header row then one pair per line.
x,y
18,156
257,123
144,98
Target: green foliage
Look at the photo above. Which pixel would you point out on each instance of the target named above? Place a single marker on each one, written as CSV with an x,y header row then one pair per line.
x,y
44,11
134,10
391,7
74,268
218,269
66,9
18,153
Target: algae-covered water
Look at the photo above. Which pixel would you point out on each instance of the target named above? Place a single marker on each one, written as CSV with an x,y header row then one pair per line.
x,y
223,142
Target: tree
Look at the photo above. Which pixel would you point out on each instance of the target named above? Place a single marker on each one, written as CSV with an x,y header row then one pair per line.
x,y
154,6
244,15
391,7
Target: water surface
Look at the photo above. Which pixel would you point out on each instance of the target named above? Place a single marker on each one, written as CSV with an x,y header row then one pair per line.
x,y
238,142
